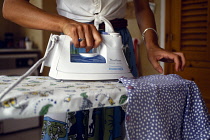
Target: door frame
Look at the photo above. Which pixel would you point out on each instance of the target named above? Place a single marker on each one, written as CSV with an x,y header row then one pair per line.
x,y
162,35
167,31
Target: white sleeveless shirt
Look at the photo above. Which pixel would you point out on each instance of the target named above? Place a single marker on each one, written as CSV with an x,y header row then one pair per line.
x,y
89,10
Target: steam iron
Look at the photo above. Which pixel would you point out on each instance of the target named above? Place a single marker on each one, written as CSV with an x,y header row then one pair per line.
x,y
103,63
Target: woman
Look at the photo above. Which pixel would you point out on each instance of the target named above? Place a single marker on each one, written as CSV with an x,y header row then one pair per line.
x,y
74,20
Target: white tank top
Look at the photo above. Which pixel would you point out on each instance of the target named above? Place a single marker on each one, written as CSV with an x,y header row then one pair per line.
x,y
89,10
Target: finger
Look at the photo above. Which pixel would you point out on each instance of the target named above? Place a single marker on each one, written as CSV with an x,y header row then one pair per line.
x,y
74,36
89,37
96,36
183,60
81,34
156,65
177,61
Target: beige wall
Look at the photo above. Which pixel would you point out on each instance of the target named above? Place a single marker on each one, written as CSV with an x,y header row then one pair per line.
x,y
40,37
35,35
20,32
145,67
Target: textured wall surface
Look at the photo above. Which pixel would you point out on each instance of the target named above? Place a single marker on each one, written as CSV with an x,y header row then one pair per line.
x,y
145,66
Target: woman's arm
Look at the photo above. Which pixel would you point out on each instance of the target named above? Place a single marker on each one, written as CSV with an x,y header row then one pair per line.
x,y
27,15
145,19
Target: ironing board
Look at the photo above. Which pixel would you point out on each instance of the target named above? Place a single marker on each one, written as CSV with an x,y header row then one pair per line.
x,y
39,95
158,106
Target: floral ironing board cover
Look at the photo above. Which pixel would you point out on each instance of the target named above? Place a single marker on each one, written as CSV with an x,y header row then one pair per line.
x,y
38,95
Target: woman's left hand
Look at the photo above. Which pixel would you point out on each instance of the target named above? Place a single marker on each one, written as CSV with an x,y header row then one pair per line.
x,y
156,54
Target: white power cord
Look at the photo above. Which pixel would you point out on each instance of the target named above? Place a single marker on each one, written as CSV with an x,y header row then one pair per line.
x,y
54,39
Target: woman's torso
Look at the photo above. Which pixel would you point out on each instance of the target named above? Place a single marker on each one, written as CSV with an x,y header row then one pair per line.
x,y
84,10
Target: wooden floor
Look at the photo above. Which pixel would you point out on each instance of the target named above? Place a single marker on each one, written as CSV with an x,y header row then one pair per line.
x,y
31,134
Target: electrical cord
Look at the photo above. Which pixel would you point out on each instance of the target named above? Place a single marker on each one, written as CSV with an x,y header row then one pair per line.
x,y
54,39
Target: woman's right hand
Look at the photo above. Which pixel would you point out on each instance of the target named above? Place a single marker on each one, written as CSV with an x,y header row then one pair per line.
x,y
83,35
